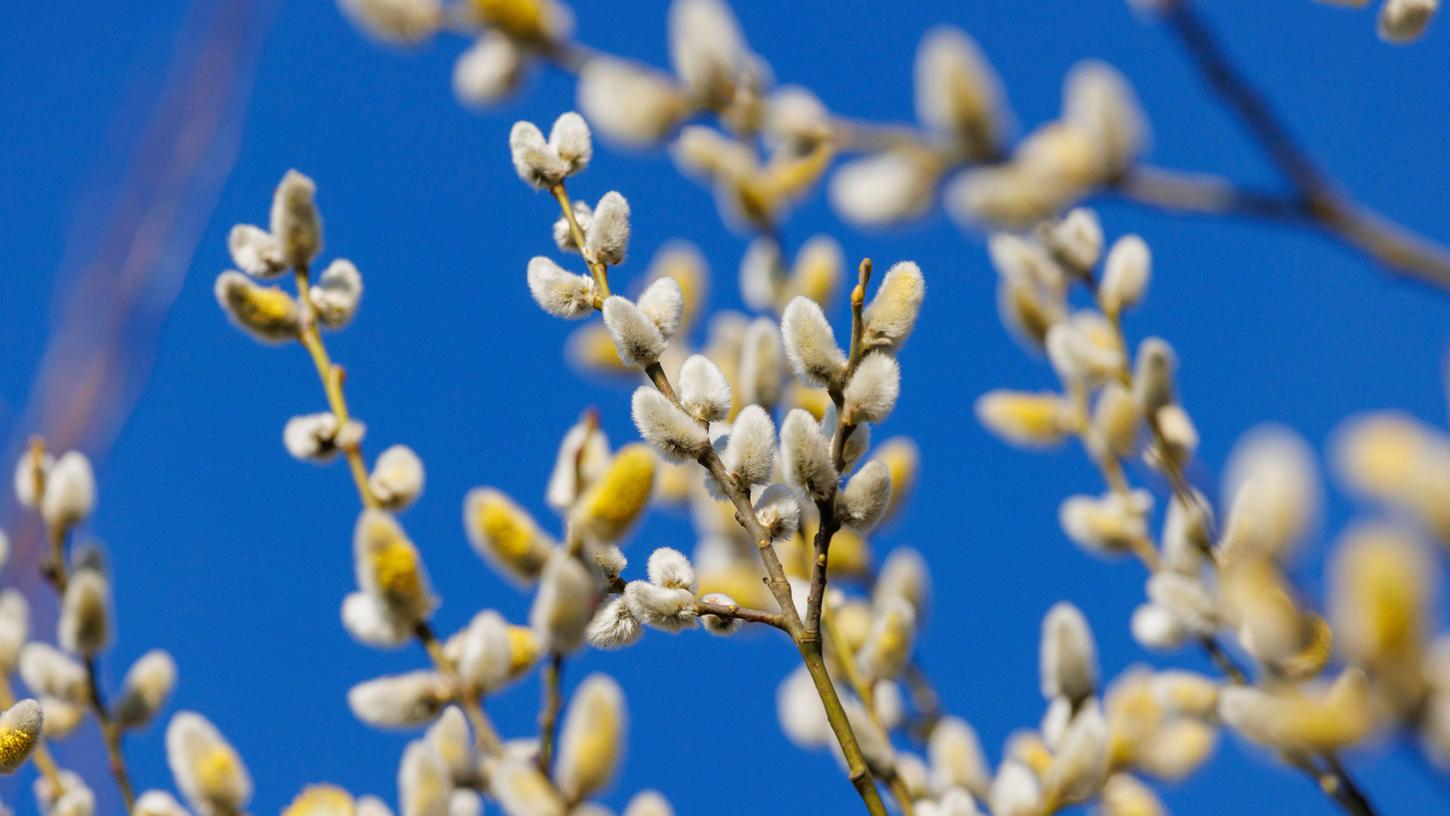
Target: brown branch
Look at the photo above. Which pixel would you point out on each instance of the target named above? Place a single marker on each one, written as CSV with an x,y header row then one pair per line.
x,y
1318,198
550,681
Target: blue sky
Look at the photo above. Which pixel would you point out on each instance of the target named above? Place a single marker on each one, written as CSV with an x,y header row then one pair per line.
x,y
235,558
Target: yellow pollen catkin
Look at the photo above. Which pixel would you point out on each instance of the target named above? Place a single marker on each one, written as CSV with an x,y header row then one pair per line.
x,y
396,566
523,649
15,746
618,498
216,771
524,19
321,800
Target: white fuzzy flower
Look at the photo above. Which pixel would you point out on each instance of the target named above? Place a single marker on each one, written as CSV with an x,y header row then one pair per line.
x,y
570,140
1153,375
312,437
560,293
535,162
750,453
369,621
670,430
1125,276
564,604
450,738
424,782
956,755
255,251
663,302
14,627
397,477
481,651
1157,628
1081,763
84,627
762,361
883,188
863,501
607,239
1403,21
1100,102
592,737
403,22
802,716
613,626
1015,791
706,49
1271,486
207,769
806,455
295,223
51,672
1079,354
30,474
957,92
704,391
158,803
649,803
779,511
70,491
336,294
583,456
887,649
637,339
904,575
810,345
519,787
717,624
872,390
1069,659
564,232
1187,599
891,314
670,568
1076,239
148,684
488,71
400,700
665,608
629,102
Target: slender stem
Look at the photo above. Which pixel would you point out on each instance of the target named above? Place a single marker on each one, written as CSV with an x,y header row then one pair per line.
x,y
110,733
807,643
483,731
550,681
57,573
740,613
597,269
331,376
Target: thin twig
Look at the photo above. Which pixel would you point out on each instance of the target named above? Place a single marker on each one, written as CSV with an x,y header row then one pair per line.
x,y
552,700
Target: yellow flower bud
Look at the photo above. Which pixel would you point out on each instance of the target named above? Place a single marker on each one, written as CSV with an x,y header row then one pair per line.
x,y
619,496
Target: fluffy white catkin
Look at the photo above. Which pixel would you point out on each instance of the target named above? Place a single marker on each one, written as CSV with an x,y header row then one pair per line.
x,y
637,338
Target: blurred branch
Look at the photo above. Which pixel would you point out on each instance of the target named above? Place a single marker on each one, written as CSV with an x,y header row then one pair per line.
x,y
1317,197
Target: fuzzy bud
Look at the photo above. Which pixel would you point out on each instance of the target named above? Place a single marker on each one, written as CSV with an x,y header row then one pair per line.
x,y
148,684
488,71
570,140
810,345
85,613
1068,658
750,453
1125,277
607,238
591,738
207,769
336,295
70,491
20,728
564,604
256,252
864,500
670,609
629,102
637,339
389,567
560,293
1023,419
806,456
505,534
779,511
957,92
663,302
265,312
397,478
619,496
704,391
891,314
400,700
1403,21
613,626
872,390
673,433
535,162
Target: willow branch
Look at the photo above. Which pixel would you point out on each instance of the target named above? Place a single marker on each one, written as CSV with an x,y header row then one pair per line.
x,y
741,613
1319,199
549,682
